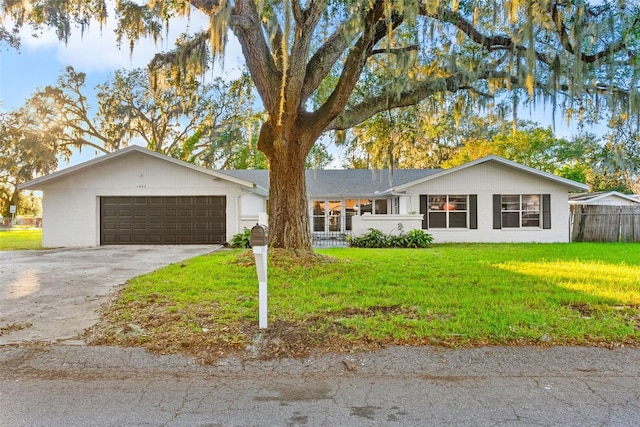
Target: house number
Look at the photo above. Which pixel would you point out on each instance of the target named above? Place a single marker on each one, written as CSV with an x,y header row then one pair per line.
x,y
142,186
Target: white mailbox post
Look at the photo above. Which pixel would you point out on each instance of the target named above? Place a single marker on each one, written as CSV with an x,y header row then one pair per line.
x,y
259,239
12,211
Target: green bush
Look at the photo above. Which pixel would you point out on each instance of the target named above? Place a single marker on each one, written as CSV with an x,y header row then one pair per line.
x,y
377,239
241,240
373,239
417,239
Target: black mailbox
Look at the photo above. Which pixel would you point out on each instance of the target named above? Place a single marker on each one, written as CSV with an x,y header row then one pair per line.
x,y
259,235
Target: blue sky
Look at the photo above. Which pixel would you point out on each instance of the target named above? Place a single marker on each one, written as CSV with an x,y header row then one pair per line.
x,y
41,60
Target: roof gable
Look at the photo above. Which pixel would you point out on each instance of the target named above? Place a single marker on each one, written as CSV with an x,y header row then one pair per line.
x,y
571,185
585,198
37,183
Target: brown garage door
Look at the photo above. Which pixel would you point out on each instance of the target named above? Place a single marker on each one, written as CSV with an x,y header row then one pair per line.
x,y
162,220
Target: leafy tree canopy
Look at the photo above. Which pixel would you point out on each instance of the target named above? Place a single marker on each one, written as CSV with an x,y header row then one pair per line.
x,y
604,163
24,154
420,136
529,145
196,122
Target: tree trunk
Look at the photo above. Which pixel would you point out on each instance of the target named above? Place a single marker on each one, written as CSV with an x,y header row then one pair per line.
x,y
288,205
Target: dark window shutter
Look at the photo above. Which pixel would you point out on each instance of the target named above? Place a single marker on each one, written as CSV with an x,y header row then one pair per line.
x,y
473,211
423,210
497,211
546,211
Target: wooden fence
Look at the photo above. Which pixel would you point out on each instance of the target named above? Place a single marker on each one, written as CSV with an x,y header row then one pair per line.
x,y
599,223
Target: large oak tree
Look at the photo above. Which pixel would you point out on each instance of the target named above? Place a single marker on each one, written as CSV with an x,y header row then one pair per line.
x,y
191,120
323,66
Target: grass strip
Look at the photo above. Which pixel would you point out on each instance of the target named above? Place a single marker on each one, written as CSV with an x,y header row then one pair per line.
x,y
20,239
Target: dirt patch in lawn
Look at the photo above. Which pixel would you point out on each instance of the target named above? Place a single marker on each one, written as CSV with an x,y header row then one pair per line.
x,y
196,332
200,331
161,330
286,259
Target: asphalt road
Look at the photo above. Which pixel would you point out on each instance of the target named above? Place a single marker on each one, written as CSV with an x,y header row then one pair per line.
x,y
54,295
523,386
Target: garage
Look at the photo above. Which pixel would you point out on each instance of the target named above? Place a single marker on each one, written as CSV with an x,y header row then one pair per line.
x,y
167,220
136,196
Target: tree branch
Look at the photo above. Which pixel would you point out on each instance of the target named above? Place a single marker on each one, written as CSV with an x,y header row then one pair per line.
x,y
323,60
305,30
563,36
275,41
264,72
491,43
359,113
82,142
396,51
177,56
374,29
298,13
206,6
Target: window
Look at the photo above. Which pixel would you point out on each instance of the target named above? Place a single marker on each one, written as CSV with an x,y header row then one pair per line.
x,y
395,205
448,211
374,206
318,216
350,209
335,215
381,206
522,211
366,206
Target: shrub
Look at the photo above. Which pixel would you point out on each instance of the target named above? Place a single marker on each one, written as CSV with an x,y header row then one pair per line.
x,y
377,239
241,240
417,239
373,239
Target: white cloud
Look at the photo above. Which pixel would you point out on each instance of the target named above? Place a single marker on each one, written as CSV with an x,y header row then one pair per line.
x,y
41,40
96,50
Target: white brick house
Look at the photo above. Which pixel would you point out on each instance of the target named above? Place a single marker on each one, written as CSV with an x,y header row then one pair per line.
x,y
135,196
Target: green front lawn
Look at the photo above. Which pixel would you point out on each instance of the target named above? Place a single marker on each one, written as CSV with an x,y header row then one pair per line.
x,y
450,294
18,239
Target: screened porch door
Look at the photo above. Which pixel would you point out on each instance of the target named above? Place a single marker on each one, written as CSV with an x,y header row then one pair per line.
x,y
334,216
327,216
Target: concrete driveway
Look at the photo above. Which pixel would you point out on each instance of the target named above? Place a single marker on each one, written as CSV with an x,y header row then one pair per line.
x,y
54,295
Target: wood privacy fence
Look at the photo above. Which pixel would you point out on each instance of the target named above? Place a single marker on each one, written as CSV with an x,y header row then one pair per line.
x,y
600,223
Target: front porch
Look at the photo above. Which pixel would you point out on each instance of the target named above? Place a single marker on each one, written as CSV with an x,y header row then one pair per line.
x,y
332,220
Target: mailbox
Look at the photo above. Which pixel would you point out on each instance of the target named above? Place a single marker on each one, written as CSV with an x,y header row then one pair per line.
x,y
258,239
259,235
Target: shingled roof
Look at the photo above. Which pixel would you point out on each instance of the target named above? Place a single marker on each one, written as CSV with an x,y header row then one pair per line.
x,y
342,182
